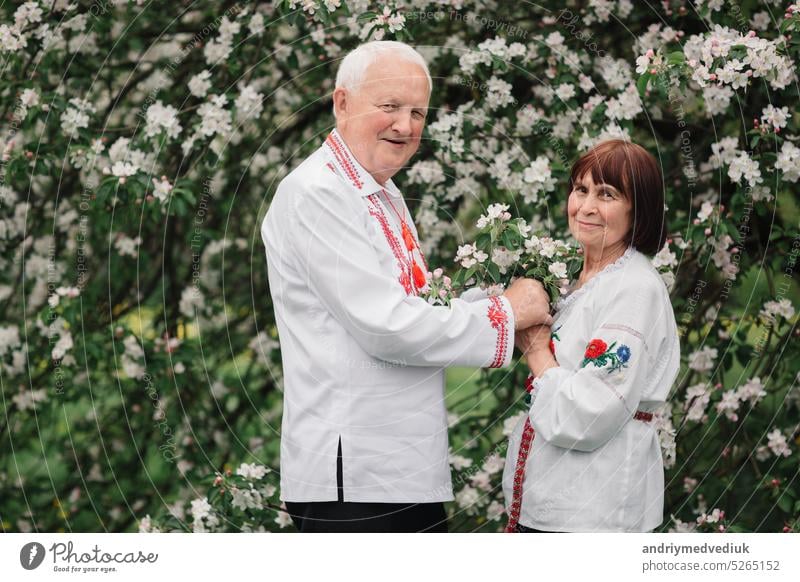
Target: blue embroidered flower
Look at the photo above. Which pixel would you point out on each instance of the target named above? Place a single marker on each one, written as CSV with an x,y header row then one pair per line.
x,y
624,353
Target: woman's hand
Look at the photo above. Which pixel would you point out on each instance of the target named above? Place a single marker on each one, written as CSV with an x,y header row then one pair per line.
x,y
531,339
534,343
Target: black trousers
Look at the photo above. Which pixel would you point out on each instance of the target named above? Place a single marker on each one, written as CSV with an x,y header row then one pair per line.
x,y
352,517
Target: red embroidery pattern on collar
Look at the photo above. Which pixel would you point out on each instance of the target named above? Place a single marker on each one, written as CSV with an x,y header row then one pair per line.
x,y
499,320
376,211
344,160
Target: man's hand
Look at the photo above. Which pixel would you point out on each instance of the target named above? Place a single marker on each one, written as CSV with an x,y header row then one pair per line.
x,y
530,303
533,339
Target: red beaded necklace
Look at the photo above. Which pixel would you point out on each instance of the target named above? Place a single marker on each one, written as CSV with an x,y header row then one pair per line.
x,y
411,243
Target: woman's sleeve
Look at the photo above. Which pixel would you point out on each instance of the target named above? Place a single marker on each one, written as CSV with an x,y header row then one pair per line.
x,y
583,408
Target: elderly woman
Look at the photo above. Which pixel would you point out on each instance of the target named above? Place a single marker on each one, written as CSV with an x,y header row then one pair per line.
x,y
587,457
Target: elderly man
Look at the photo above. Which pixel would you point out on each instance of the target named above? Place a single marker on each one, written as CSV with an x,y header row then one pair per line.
x,y
364,436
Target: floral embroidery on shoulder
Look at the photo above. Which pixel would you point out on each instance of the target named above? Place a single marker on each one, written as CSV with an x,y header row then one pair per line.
x,y
600,354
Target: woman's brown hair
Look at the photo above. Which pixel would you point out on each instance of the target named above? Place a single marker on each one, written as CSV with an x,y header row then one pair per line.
x,y
633,171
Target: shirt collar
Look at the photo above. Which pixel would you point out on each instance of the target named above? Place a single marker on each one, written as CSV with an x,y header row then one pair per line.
x,y
354,173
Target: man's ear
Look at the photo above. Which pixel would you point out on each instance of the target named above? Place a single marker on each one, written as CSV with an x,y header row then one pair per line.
x,y
340,101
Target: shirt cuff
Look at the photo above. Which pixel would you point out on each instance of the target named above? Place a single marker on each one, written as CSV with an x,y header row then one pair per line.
x,y
540,381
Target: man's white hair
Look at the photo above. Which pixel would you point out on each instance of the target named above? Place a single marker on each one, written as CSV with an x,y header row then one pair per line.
x,y
354,66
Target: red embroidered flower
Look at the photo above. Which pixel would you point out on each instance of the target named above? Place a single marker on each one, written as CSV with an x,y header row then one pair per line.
x,y
596,347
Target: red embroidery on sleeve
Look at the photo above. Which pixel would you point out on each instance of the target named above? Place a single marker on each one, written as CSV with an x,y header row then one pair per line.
x,y
499,320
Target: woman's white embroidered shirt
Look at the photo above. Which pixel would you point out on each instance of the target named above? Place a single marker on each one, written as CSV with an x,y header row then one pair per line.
x,y
592,466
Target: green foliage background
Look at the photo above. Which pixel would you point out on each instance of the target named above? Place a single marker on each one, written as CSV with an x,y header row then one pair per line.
x,y
86,446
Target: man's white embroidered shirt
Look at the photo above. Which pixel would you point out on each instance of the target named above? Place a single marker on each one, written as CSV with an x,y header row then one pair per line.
x,y
363,355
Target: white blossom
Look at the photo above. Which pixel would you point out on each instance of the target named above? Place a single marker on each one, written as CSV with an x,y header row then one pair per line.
x,y
558,269
751,391
511,422
789,161
717,99
729,405
664,258
9,339
494,463
160,118
697,398
11,39
782,308
252,471
498,94
774,117
192,301
283,519
199,84
467,497
161,189
214,118
256,26
705,211
777,443
249,103
146,525
505,258
263,344
495,511
245,499
459,462
702,360
565,91
714,517
742,166
27,398
127,246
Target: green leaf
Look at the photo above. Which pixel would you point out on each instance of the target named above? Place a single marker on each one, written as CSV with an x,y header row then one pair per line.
x,y
494,272
641,84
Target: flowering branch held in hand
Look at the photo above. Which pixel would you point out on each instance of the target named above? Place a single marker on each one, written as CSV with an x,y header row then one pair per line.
x,y
505,249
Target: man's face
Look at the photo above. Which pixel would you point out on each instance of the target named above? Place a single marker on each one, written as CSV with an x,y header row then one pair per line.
x,y
382,119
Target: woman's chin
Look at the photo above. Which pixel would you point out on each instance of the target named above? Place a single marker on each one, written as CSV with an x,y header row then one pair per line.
x,y
588,241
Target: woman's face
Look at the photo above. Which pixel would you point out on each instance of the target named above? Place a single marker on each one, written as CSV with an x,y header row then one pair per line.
x,y
600,217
